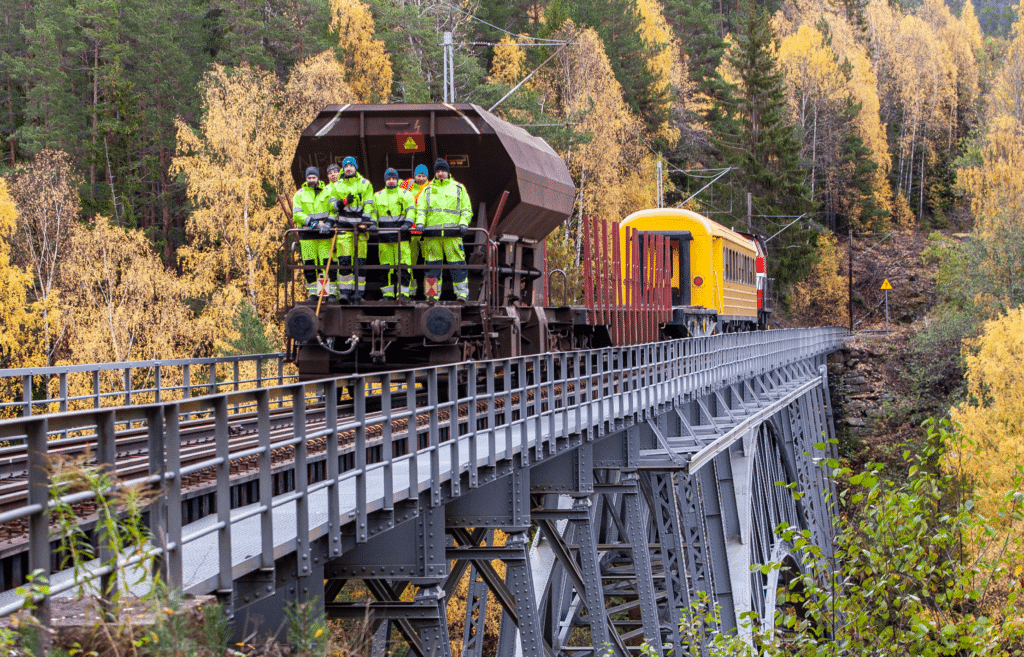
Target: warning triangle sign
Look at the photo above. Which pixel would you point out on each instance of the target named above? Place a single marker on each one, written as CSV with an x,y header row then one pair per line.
x,y
885,285
410,143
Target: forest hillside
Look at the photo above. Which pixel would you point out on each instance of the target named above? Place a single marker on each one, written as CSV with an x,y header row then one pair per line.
x,y
146,145
145,189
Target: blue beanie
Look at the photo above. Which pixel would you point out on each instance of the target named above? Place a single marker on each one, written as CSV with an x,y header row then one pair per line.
x,y
350,160
390,173
421,168
312,171
441,164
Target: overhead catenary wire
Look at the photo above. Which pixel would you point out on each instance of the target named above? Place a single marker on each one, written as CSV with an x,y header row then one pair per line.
x,y
541,41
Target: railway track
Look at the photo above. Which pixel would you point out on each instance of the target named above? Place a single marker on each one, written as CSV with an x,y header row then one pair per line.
x,y
198,444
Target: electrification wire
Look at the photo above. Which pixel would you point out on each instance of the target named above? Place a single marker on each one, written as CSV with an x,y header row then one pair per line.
x,y
550,42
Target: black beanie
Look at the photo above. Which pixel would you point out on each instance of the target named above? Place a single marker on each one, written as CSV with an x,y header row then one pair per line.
x,y
441,164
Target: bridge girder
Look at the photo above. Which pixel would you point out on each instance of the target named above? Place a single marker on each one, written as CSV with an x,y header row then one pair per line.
x,y
610,542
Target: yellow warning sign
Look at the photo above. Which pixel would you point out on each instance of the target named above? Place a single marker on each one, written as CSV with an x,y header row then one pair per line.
x,y
410,143
886,285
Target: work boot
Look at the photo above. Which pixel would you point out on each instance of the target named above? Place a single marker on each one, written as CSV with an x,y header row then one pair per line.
x,y
357,297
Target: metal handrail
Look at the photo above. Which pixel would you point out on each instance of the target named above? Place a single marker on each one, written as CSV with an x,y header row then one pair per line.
x,y
292,238
155,371
606,384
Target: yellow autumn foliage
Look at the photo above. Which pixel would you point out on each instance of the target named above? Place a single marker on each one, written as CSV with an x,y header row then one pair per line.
x,y
668,69
821,298
19,318
313,84
128,306
812,73
507,65
860,81
244,145
992,419
46,195
583,90
367,63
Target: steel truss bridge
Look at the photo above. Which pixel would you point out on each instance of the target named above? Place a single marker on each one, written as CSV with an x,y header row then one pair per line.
x,y
626,482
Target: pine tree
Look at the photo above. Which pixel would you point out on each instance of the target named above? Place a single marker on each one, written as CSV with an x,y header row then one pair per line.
x,y
13,15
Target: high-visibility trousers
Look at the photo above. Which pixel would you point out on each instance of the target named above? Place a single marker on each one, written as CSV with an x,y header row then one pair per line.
x,y
395,253
346,249
315,254
452,252
414,259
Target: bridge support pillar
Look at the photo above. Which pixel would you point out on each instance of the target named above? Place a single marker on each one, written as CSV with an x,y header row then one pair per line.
x,y
591,568
519,580
433,633
636,530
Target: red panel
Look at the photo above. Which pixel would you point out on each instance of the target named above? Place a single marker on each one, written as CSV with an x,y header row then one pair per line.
x,y
617,280
603,291
411,142
588,270
638,298
760,264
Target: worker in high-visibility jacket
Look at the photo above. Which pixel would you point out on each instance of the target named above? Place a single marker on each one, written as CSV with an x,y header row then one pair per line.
x,y
444,204
416,185
394,210
311,199
352,196
418,182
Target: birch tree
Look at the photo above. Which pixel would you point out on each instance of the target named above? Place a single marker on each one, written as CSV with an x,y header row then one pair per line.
x,y
237,164
46,195
19,318
366,63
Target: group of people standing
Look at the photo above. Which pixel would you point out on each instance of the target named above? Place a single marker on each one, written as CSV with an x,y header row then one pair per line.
x,y
400,212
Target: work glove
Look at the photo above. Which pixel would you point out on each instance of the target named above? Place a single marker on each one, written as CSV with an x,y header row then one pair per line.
x,y
417,229
309,222
463,230
324,228
350,200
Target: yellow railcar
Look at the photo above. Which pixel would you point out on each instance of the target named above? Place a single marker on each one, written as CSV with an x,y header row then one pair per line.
x,y
715,272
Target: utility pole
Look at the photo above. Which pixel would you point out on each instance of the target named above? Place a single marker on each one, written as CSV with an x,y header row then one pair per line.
x,y
849,290
449,68
750,212
661,189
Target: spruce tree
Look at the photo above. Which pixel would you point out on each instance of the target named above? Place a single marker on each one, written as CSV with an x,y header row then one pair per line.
x,y
762,145
617,22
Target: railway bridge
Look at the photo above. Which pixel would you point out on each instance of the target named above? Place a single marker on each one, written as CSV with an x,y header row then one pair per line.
x,y
616,486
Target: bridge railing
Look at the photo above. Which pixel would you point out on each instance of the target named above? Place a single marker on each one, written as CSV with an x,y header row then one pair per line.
x,y
425,435
63,388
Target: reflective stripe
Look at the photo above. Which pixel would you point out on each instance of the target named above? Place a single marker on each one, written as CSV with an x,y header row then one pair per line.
x,y
458,202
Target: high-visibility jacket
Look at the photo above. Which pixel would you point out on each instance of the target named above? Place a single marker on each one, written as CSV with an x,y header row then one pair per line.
x,y
308,201
393,208
445,203
409,184
357,186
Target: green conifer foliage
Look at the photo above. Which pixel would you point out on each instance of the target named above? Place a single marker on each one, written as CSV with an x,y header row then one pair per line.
x,y
617,22
762,144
